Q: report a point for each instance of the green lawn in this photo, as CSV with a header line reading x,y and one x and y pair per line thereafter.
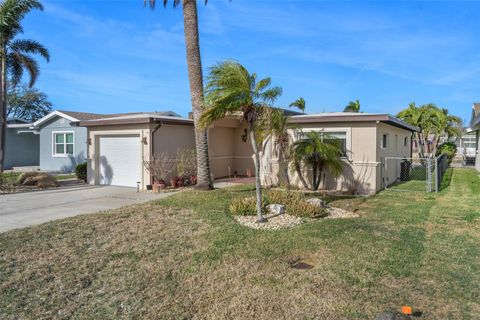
x,y
185,257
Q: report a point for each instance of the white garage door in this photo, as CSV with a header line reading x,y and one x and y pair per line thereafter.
x,y
120,160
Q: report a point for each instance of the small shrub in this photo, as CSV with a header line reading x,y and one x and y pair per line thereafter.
x,y
296,203
448,148
38,179
81,171
246,206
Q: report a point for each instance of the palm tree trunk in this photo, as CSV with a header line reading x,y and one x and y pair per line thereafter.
x,y
298,169
284,166
314,177
3,108
258,186
190,20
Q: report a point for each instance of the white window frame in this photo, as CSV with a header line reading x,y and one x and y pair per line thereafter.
x,y
382,146
62,155
348,135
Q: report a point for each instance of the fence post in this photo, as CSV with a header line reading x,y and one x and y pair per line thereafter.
x,y
436,174
429,175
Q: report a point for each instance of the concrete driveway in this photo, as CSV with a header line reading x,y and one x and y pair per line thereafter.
x,y
25,209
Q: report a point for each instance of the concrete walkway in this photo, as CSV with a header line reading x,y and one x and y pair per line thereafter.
x,y
30,208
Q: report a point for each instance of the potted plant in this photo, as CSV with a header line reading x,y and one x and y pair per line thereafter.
x,y
174,182
159,166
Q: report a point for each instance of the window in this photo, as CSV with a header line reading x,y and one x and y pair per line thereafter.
x,y
384,142
63,143
339,138
405,142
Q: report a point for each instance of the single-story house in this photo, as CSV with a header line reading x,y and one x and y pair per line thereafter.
x,y
475,127
54,143
118,146
366,140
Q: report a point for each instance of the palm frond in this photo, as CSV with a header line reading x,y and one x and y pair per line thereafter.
x,y
26,62
30,47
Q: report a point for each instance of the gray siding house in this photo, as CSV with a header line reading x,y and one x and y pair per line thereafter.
x,y
22,145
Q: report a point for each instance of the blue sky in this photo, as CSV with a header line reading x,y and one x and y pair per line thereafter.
x,y
117,56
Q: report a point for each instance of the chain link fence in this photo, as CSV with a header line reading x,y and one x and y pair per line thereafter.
x,y
414,174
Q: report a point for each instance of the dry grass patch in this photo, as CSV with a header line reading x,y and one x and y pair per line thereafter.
x,y
185,257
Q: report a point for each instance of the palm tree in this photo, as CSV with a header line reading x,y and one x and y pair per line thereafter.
x,y
192,42
278,131
414,116
319,154
15,55
299,104
446,125
231,90
352,106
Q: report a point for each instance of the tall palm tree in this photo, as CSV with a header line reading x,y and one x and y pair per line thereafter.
x,y
15,55
318,154
352,106
231,90
194,62
299,104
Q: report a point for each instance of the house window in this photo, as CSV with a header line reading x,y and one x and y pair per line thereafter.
x,y
63,143
405,142
339,138
384,142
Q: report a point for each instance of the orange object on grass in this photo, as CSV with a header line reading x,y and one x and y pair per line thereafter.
x,y
407,310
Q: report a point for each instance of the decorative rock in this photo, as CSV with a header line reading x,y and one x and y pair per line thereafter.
x,y
317,202
276,208
274,222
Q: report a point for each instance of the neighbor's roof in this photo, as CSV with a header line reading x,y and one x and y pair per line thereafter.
x,y
352,117
75,116
138,118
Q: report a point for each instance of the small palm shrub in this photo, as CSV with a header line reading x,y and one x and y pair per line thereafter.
x,y
246,206
81,171
296,204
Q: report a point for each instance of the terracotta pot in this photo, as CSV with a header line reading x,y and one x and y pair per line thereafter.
x,y
158,185
181,182
193,179
174,182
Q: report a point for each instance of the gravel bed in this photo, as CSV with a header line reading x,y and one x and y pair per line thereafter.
x,y
274,222
337,213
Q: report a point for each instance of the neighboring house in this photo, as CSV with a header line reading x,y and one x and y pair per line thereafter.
x,y
366,140
118,146
22,145
475,127
62,143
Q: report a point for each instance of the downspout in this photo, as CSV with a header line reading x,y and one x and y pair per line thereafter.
x,y
152,144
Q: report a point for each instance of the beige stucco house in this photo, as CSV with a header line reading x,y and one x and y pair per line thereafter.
x,y
366,140
118,146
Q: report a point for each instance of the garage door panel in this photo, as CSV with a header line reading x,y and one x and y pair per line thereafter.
x,y
120,160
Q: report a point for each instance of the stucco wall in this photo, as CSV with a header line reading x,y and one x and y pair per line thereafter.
x,y
21,149
48,161
390,169
228,153
360,164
